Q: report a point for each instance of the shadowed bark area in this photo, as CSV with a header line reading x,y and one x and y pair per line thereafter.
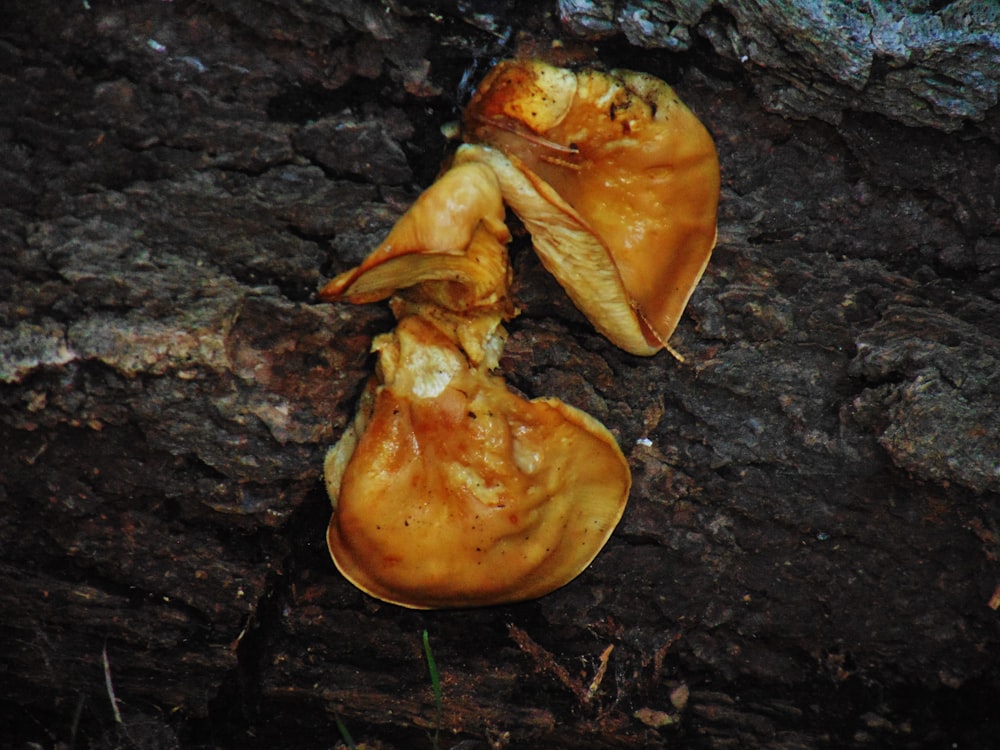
x,y
810,554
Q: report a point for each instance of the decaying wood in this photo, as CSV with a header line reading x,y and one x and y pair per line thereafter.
x,y
810,554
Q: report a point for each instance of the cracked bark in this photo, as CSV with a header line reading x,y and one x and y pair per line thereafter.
x,y
810,552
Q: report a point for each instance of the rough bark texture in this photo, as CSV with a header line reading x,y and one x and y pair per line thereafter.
x,y
810,555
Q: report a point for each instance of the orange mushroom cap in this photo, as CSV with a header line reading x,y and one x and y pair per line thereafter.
x,y
451,491
637,168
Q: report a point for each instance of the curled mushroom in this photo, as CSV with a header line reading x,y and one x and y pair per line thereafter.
x,y
448,489
450,246
604,161
446,258
451,491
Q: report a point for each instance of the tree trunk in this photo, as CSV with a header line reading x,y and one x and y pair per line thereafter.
x,y
810,554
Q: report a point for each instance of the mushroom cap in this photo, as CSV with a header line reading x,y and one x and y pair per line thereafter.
x,y
636,166
449,245
450,491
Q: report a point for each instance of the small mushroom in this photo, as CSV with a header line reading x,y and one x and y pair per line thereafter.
x,y
451,491
604,161
446,258
449,246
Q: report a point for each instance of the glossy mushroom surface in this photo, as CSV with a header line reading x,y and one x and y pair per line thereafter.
x,y
448,489
637,168
451,491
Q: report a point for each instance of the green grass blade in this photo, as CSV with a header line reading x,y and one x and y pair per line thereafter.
x,y
344,734
436,687
432,668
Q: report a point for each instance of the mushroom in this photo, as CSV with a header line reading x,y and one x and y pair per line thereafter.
x,y
616,180
451,491
448,489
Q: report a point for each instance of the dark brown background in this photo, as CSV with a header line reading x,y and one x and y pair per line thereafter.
x,y
811,547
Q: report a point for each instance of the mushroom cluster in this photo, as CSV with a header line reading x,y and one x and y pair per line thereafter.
x,y
448,489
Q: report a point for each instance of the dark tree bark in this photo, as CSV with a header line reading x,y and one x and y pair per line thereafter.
x,y
810,554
